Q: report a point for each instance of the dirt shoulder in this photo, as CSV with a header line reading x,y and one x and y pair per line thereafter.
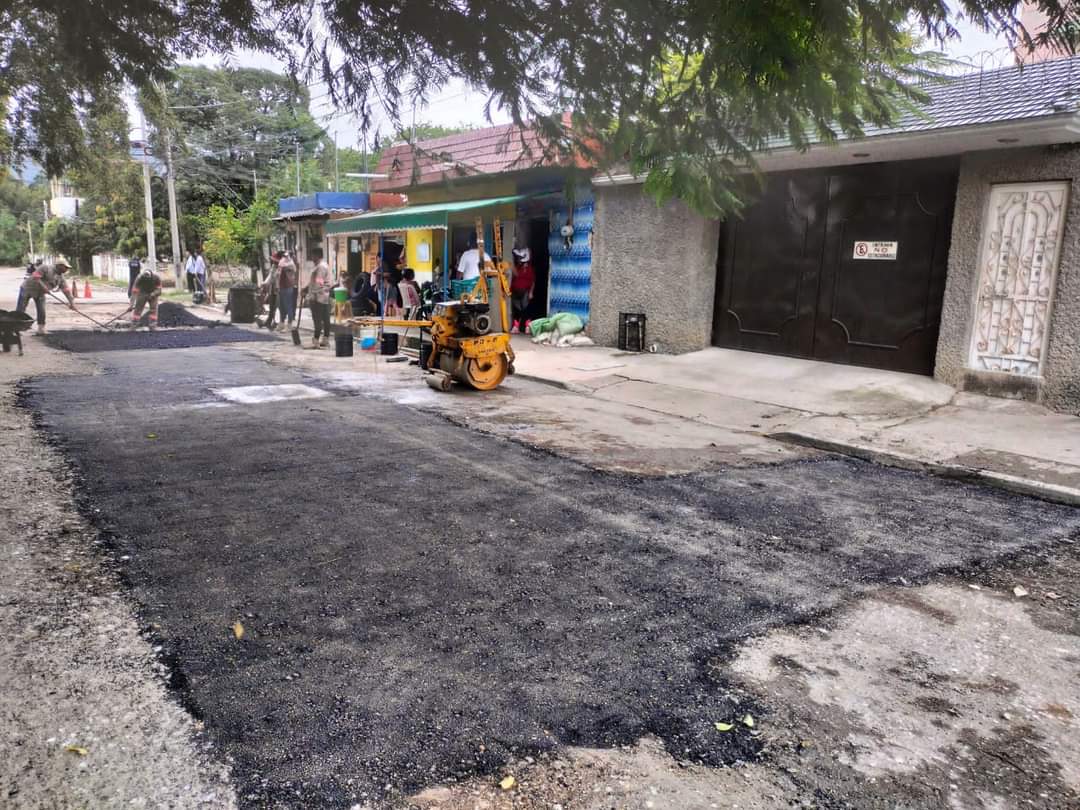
x,y
85,717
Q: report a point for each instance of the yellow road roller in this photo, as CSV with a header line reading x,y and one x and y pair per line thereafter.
x,y
470,336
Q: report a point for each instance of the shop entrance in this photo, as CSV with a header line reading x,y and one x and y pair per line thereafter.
x,y
537,240
844,265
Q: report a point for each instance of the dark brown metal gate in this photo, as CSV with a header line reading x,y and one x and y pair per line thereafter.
x,y
791,282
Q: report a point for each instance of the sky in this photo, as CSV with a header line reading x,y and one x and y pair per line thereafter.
x,y
456,103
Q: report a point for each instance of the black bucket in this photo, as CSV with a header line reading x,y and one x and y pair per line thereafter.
x,y
389,343
343,345
243,304
425,353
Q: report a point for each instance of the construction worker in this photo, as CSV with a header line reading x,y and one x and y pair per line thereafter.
x,y
30,268
39,283
145,291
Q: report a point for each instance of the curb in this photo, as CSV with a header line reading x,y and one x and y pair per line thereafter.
x,y
562,386
1010,483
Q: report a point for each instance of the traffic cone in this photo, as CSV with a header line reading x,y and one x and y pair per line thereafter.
x,y
86,290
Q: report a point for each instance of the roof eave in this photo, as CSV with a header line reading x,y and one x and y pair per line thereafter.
x,y
910,145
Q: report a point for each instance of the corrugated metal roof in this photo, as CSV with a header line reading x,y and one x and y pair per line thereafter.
x,y
322,203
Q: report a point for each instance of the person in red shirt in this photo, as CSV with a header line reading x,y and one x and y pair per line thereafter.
x,y
521,287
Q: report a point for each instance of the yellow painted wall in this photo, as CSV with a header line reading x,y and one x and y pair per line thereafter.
x,y
413,241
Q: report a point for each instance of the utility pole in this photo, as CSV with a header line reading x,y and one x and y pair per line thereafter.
x,y
30,233
335,164
151,248
364,158
255,183
174,212
298,168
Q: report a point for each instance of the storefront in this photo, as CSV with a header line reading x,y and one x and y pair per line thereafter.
x,y
304,219
430,236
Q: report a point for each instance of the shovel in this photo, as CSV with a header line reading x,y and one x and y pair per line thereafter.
x,y
76,310
296,327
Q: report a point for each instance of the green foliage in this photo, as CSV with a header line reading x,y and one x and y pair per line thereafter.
x,y
232,237
14,244
230,126
19,204
761,70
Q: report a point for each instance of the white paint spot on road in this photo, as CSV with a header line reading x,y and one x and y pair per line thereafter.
x,y
256,394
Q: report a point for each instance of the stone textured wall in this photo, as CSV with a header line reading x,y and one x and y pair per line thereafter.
x,y
1060,388
660,260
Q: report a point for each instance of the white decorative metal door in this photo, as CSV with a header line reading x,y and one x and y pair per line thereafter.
x,y
1017,274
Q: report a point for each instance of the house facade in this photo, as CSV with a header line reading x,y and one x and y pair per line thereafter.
x,y
499,172
946,245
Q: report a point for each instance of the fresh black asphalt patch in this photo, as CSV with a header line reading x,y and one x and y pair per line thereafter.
x,y
420,602
84,342
171,315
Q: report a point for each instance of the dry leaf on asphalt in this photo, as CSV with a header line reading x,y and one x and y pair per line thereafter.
x,y
151,435
724,726
1020,590
238,630
76,749
748,720
507,783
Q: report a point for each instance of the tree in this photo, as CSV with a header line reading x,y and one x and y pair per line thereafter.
x,y
19,204
109,180
232,237
229,126
765,69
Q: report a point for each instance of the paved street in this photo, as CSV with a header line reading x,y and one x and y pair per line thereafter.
x,y
422,604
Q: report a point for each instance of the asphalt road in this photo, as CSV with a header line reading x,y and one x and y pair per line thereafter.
x,y
420,602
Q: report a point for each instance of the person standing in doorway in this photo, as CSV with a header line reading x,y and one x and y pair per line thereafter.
x,y
318,296
41,282
521,288
469,265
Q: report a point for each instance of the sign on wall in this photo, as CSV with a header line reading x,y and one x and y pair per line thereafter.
x,y
876,250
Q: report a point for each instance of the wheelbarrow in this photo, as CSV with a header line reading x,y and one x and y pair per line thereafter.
x,y
11,324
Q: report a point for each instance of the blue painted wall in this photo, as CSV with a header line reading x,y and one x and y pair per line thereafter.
x,y
571,268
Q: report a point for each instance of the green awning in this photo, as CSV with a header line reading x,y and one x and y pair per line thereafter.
x,y
411,217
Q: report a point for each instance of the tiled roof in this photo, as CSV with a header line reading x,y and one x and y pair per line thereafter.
x,y
505,148
990,97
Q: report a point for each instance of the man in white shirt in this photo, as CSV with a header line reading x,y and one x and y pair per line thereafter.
x,y
469,264
200,269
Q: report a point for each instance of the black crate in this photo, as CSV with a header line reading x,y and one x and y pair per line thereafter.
x,y
632,331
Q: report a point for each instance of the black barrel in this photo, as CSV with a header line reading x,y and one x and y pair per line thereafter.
x,y
242,303
389,343
343,345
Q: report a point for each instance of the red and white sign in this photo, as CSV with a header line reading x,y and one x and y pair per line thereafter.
x,y
876,250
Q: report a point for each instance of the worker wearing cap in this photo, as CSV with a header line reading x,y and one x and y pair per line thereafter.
x,y
39,283
145,292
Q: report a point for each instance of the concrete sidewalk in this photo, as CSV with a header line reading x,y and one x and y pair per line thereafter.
x,y
901,420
